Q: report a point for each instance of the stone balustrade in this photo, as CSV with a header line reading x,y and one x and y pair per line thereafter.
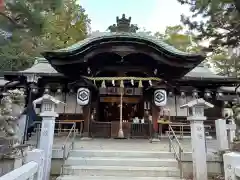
x,y
31,170
25,172
225,134
232,165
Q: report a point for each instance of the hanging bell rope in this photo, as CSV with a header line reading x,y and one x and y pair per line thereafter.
x,y
123,78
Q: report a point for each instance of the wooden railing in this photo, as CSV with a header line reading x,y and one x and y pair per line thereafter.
x,y
140,130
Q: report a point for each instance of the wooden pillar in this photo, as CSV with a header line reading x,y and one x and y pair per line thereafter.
x,y
86,117
155,116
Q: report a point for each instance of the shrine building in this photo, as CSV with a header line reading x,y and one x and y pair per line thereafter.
x,y
123,79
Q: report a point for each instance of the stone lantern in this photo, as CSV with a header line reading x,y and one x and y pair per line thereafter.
x,y
196,118
48,114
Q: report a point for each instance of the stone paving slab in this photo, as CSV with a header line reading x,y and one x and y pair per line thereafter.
x,y
69,177
129,144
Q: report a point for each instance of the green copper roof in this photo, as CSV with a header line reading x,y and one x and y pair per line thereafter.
x,y
203,72
42,66
123,35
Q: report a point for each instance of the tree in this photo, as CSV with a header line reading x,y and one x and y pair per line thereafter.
x,y
220,22
36,26
23,22
27,15
67,26
226,62
176,37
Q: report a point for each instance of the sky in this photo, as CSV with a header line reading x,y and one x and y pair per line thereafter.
x,y
153,15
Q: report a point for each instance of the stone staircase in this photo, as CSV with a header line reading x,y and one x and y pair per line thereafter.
x,y
120,165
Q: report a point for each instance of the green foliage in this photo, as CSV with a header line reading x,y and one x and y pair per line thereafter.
x,y
176,37
29,14
226,63
67,26
219,24
38,25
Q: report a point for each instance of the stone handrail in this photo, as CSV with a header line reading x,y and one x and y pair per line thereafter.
x,y
237,171
26,172
31,170
231,165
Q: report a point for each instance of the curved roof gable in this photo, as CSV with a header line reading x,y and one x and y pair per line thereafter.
x,y
123,40
98,38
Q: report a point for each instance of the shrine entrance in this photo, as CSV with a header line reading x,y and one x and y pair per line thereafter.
x,y
110,109
114,109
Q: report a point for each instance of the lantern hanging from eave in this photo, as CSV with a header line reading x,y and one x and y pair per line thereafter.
x,y
208,94
195,93
182,94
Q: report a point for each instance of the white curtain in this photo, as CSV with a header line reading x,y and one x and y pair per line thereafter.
x,y
71,102
60,97
171,106
189,98
181,101
78,108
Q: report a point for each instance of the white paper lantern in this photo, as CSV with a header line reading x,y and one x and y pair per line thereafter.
x,y
160,97
83,96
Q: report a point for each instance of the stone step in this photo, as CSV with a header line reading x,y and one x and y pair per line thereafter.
x,y
121,161
69,177
119,171
126,154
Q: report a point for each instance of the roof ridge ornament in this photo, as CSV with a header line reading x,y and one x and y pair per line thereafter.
x,y
123,25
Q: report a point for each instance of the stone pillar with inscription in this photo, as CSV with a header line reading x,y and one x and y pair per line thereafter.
x,y
196,118
48,114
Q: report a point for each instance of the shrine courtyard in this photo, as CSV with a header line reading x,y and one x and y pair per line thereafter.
x,y
128,144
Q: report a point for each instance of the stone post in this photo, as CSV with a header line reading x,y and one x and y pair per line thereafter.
x,y
196,118
231,161
22,123
221,133
231,131
48,115
225,134
37,156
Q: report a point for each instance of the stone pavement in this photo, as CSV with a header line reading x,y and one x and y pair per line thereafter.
x,y
129,144
125,144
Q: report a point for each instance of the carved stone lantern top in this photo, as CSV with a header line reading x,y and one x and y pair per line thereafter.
x,y
49,104
196,108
